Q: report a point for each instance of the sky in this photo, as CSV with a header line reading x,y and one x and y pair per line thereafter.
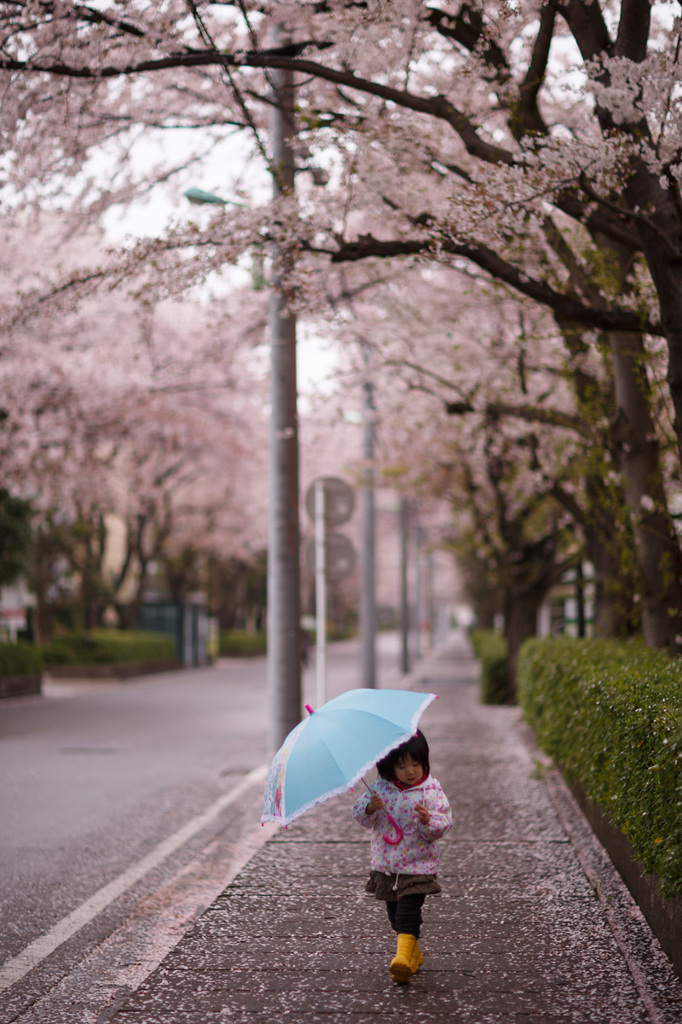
x,y
149,217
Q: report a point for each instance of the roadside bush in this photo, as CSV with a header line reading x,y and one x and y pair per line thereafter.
x,y
108,647
491,650
238,643
610,714
19,660
59,652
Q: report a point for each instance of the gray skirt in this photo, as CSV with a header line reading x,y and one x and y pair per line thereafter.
x,y
383,887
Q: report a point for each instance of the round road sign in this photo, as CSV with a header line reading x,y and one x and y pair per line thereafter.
x,y
339,556
339,500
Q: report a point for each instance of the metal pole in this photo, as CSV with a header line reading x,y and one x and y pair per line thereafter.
x,y
284,671
320,594
404,601
430,610
368,609
419,597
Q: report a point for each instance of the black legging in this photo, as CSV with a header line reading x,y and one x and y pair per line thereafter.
x,y
405,914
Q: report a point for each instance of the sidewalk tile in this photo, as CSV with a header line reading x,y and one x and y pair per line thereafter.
x,y
518,937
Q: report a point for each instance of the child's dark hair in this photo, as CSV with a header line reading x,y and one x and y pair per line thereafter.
x,y
416,747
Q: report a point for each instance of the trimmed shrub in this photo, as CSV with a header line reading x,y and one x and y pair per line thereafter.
x,y
491,650
108,647
610,714
19,660
238,643
59,652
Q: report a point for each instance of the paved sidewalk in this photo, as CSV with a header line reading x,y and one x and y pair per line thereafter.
x,y
534,926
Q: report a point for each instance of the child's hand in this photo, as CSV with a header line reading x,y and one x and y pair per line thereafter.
x,y
375,804
423,814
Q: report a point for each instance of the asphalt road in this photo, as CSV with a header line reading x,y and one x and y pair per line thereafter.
x,y
128,806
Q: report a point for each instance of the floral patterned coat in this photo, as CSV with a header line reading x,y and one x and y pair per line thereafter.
x,y
417,852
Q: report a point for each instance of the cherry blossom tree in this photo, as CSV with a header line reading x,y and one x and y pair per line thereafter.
x,y
450,126
134,409
503,512
474,352
534,142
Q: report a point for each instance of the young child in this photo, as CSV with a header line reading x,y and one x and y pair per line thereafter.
x,y
405,859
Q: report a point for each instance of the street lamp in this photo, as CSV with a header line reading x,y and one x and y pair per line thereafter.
x,y
284,612
198,197
284,647
404,593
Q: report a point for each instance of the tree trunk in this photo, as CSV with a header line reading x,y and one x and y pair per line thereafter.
x,y
635,449
613,612
637,453
520,623
660,235
637,456
606,545
658,221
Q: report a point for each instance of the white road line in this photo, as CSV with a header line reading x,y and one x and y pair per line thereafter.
x,y
156,924
15,969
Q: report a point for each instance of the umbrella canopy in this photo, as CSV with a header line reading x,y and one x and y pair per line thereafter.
x,y
330,751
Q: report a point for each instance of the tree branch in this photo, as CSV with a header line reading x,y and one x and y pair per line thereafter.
x,y
587,25
628,214
82,12
579,277
434,106
467,28
568,308
528,413
633,29
529,117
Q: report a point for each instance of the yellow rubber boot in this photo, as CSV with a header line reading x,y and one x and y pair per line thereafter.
x,y
417,959
401,964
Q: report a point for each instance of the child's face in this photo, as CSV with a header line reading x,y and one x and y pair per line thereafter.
x,y
408,771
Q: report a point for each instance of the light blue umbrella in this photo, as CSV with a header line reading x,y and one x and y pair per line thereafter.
x,y
327,753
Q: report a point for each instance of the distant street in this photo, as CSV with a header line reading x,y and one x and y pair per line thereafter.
x,y
114,790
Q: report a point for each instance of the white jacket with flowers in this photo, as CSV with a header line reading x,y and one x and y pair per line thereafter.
x,y
417,852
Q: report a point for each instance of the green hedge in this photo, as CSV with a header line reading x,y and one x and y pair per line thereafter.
x,y
610,714
491,650
238,643
19,660
108,647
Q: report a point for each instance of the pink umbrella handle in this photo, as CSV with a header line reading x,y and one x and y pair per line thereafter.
x,y
396,826
398,831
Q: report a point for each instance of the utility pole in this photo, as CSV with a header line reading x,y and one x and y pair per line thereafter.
x,y
284,666
368,608
321,592
404,595
419,594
